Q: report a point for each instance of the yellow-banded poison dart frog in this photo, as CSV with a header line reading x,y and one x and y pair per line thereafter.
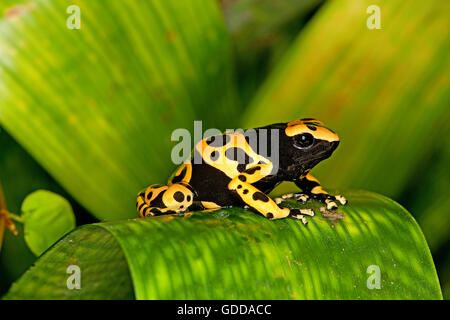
x,y
239,169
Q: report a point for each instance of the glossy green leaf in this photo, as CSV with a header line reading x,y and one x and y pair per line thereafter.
x,y
385,92
96,106
236,254
103,269
46,217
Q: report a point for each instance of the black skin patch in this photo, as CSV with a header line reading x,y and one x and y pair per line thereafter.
x,y
253,170
311,127
140,207
242,178
239,186
260,196
149,195
214,155
239,155
218,141
158,202
188,198
179,177
147,211
241,167
178,196
270,215
155,211
306,185
245,191
189,187
207,180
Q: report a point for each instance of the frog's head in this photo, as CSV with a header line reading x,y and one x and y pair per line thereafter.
x,y
310,142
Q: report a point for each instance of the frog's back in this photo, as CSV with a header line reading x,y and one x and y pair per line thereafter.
x,y
216,160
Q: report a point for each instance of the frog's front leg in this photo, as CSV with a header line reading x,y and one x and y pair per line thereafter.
x,y
313,190
259,201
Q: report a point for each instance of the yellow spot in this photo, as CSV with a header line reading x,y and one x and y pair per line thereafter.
x,y
298,126
210,205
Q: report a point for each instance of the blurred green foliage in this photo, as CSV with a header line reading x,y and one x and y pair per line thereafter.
x,y
261,32
94,108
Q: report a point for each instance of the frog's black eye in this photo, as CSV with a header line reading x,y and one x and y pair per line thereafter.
x,y
303,141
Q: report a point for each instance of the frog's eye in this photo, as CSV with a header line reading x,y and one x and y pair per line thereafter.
x,y
303,141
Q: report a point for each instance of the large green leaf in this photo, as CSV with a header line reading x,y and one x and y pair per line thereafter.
x,y
384,91
235,254
96,107
104,271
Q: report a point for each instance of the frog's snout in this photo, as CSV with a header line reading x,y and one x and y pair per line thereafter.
x,y
334,145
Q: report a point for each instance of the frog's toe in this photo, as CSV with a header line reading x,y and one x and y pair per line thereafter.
x,y
331,205
341,199
299,217
305,211
300,214
302,198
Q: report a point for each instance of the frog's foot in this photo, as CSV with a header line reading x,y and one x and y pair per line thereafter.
x,y
329,200
300,214
300,197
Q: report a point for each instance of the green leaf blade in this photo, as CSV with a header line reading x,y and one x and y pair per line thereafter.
x,y
236,254
104,271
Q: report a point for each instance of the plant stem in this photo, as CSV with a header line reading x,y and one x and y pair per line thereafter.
x,y
15,217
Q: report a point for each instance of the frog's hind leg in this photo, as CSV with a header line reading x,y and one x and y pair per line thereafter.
x,y
158,200
143,201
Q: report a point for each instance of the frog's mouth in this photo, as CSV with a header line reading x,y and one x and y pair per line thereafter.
x,y
321,151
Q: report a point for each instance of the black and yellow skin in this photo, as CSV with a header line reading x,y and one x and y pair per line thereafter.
x,y
233,173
